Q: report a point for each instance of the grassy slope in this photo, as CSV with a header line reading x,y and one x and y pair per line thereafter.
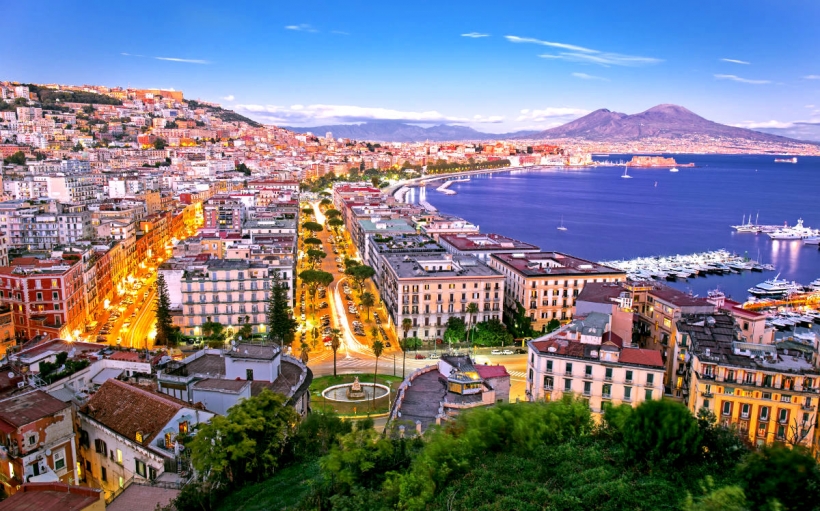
x,y
282,492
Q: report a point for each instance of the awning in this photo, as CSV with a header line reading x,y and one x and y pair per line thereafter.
x,y
46,477
106,374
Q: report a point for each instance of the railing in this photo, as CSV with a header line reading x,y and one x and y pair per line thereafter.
x,y
116,493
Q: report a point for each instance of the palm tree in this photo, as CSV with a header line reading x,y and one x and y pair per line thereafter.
x,y
377,348
334,345
304,355
472,309
367,300
406,325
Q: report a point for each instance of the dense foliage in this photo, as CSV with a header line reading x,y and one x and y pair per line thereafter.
x,y
537,456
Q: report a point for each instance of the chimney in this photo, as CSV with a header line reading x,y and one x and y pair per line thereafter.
x,y
418,427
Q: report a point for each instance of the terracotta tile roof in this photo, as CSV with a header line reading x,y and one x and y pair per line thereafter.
x,y
26,408
488,371
127,409
129,356
51,496
641,357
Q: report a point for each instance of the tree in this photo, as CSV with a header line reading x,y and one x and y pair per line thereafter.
x,y
367,300
162,309
160,144
315,256
307,211
245,445
777,477
374,332
325,202
243,169
406,325
727,498
333,213
335,223
520,324
472,310
359,273
245,329
313,279
214,334
456,330
18,158
334,345
304,354
280,323
662,432
378,348
312,241
313,227
491,333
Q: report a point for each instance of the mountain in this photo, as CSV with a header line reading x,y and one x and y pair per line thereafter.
x,y
397,131
662,121
808,131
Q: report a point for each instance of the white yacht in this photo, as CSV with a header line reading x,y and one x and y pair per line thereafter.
x,y
626,176
775,287
673,169
812,240
814,285
797,232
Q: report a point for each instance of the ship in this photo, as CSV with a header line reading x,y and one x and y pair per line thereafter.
x,y
786,160
798,232
775,287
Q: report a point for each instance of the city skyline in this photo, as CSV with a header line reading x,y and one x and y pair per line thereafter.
x,y
496,70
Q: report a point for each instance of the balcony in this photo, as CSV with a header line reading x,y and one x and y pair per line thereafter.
x,y
547,387
763,419
548,370
628,381
607,395
808,408
707,393
608,378
568,373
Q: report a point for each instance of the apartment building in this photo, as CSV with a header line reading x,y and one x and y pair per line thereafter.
x,y
224,214
547,284
429,289
46,296
437,224
366,230
37,441
584,358
400,244
139,441
768,392
228,291
482,246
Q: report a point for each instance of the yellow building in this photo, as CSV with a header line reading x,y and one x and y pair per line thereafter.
x,y
768,392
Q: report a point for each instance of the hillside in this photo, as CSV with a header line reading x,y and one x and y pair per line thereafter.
x,y
396,131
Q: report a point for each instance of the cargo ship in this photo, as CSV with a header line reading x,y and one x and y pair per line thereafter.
x,y
786,160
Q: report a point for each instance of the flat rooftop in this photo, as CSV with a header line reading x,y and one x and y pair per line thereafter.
x,y
486,242
540,264
438,266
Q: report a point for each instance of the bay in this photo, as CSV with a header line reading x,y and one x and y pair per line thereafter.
x,y
656,213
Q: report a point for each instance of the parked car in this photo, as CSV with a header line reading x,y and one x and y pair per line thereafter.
x,y
507,352
419,356
520,351
495,352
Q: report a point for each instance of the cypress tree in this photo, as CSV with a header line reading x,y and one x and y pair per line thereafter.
x,y
280,324
165,326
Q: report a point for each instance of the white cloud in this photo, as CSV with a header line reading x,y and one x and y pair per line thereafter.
x,y
475,35
735,78
584,76
328,114
809,106
229,97
564,46
550,113
812,77
302,27
585,55
735,61
187,61
764,124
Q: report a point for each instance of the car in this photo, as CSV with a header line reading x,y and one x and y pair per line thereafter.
x,y
376,316
507,352
323,305
520,351
303,316
419,356
495,352
388,344
432,356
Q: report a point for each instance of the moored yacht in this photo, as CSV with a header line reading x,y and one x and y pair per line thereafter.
x,y
797,232
775,287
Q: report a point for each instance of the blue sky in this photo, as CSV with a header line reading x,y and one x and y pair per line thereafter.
x,y
497,66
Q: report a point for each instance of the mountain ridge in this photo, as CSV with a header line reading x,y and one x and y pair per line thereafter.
x,y
398,131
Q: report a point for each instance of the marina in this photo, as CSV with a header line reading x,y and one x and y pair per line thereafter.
x,y
682,267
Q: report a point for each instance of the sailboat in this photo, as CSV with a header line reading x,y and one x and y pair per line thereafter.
x,y
561,227
626,176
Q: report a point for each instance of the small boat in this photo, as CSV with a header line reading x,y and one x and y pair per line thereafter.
x,y
626,176
673,169
812,240
786,160
561,227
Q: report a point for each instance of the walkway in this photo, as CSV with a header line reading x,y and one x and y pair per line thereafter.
x,y
422,399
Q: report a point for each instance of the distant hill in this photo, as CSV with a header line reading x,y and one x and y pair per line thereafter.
x,y
808,131
396,131
662,121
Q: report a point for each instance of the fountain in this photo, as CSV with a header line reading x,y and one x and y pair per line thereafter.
x,y
356,391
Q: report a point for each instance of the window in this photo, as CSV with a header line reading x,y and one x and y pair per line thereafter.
x,y
549,366
567,385
648,396
152,473
249,374
588,371
627,393
103,474
100,447
629,376
138,437
587,388
569,369
650,379
119,456
608,373
727,408
59,460
706,403
140,468
745,409
183,428
548,382
607,391
764,413
782,415
32,440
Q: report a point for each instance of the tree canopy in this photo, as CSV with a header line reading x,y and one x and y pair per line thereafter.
x,y
281,325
